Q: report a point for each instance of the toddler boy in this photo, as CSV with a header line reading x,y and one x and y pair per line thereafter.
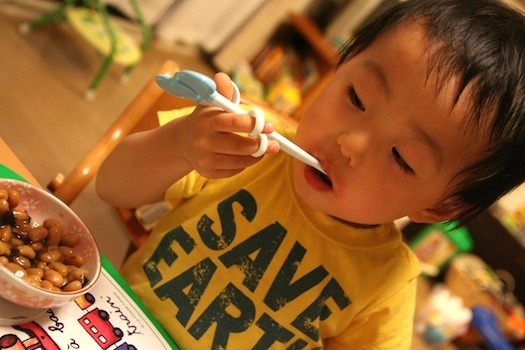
x,y
424,117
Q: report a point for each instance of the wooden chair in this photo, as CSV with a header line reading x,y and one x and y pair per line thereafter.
x,y
140,114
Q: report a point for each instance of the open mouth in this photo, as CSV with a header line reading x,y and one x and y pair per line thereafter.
x,y
323,177
317,180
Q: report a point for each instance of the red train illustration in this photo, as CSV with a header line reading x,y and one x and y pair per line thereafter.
x,y
95,322
97,325
38,339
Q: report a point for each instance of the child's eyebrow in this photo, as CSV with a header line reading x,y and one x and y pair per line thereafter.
x,y
379,74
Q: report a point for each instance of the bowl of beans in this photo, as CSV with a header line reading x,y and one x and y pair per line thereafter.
x,y
48,257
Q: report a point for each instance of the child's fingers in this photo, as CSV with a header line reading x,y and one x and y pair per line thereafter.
x,y
230,144
230,122
221,165
224,85
273,147
233,144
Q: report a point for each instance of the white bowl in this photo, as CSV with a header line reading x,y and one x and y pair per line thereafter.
x,y
21,301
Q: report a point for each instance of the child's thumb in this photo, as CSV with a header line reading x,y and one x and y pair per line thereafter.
x,y
224,85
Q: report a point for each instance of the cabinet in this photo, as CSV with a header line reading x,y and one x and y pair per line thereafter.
x,y
257,29
324,53
297,56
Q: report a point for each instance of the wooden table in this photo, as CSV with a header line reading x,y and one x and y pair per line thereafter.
x,y
9,159
130,322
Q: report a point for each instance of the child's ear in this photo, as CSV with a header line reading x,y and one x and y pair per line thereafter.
x,y
434,214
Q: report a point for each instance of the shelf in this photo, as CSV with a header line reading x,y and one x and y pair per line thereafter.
x,y
326,56
309,30
299,50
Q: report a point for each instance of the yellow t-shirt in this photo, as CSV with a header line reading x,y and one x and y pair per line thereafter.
x,y
243,263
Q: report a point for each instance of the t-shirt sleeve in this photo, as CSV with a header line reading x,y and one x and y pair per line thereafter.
x,y
386,325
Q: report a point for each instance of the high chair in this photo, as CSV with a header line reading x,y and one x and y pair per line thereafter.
x,y
92,22
140,114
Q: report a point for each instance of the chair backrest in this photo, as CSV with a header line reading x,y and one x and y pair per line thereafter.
x,y
140,114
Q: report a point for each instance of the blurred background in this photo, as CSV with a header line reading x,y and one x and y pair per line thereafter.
x,y
53,109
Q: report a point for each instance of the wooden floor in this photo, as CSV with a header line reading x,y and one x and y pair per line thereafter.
x,y
45,118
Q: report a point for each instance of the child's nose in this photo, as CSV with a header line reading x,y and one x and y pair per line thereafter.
x,y
354,146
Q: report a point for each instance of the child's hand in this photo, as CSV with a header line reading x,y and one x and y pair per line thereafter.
x,y
211,143
144,164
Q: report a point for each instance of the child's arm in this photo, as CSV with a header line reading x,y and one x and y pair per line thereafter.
x,y
144,165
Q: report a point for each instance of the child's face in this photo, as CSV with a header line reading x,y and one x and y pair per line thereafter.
x,y
390,141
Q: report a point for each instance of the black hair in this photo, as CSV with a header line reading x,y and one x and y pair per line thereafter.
x,y
483,43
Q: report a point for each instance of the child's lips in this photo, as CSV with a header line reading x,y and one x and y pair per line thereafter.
x,y
317,179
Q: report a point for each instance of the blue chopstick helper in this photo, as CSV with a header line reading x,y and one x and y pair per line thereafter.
x,y
203,90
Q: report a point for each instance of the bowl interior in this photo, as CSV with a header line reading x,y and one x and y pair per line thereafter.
x,y
41,205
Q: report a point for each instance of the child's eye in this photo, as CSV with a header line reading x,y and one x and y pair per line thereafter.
x,y
402,163
355,99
